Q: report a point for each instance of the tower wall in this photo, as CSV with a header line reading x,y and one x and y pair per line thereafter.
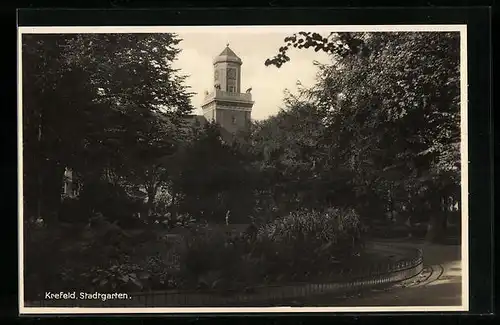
x,y
228,74
226,104
209,112
233,120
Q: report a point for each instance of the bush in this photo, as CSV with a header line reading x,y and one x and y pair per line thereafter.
x,y
313,227
104,257
112,201
304,238
203,253
215,260
281,250
160,212
72,210
98,256
184,220
162,273
41,259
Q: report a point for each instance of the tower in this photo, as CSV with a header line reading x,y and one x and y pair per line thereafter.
x,y
226,104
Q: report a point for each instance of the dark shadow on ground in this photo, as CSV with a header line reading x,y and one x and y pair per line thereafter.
x,y
441,254
433,253
416,296
442,289
443,294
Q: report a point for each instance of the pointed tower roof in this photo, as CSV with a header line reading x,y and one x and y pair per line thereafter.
x,y
227,51
227,55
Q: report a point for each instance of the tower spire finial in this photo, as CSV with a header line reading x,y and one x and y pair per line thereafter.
x,y
227,44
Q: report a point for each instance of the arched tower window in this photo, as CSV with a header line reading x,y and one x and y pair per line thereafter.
x,y
231,80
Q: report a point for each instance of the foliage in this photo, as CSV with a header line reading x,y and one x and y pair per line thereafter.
x,y
282,250
308,226
114,277
209,258
41,258
392,118
185,221
100,104
304,238
377,134
101,257
162,204
73,210
222,181
64,256
109,199
161,274
295,161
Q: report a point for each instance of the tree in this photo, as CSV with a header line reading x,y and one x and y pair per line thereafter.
x,y
392,103
97,103
212,178
301,168
50,134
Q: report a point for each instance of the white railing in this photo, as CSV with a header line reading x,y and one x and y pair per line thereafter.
x,y
220,94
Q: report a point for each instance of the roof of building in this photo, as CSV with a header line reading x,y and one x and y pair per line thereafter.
x,y
227,55
228,52
200,119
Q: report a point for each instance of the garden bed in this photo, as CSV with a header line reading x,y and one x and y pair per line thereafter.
x,y
303,246
265,295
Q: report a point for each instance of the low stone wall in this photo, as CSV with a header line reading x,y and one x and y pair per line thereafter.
x,y
353,280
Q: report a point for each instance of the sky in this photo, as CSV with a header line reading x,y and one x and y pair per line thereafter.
x,y
253,46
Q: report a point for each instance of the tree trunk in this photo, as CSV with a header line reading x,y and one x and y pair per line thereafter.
x,y
151,191
390,205
444,221
38,171
174,206
436,229
49,198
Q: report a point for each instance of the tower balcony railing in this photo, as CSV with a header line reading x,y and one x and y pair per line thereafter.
x,y
221,94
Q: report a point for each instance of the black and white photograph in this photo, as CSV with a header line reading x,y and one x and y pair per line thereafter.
x,y
243,168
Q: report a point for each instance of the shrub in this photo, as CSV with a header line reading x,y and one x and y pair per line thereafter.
x,y
281,250
72,210
201,250
213,259
104,257
112,201
185,220
76,257
41,259
99,258
143,261
116,276
155,272
332,225
304,238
